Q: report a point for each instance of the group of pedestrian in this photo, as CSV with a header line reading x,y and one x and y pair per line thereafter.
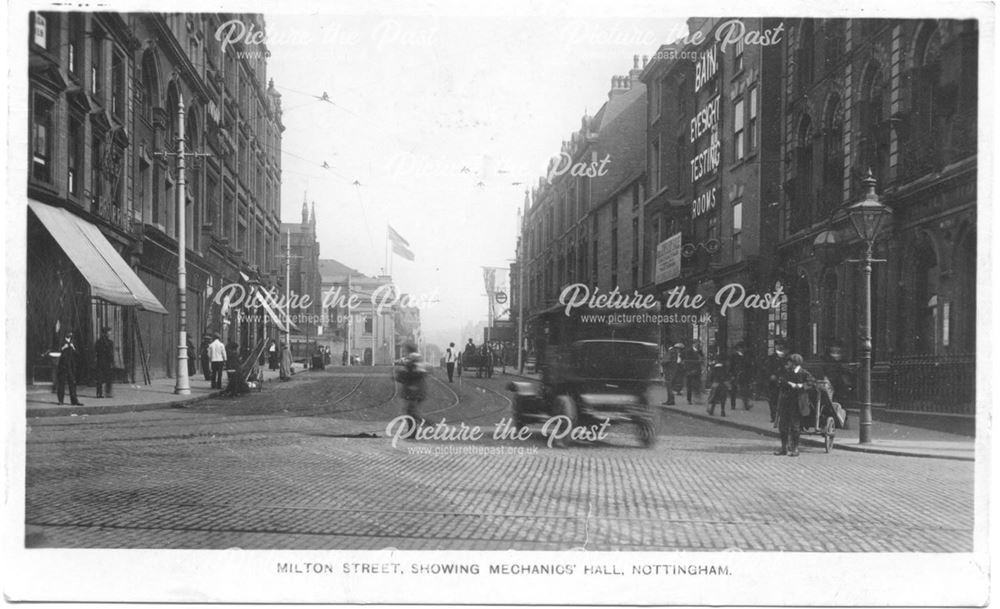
x,y
788,383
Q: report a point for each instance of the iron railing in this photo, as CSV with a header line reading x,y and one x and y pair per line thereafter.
x,y
944,384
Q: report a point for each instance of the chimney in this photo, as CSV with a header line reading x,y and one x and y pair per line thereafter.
x,y
636,70
619,85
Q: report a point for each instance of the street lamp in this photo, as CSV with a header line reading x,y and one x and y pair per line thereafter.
x,y
867,216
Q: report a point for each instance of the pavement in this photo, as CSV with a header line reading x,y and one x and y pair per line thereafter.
x,y
41,399
887,438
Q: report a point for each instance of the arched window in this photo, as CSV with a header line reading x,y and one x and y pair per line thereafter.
x,y
833,155
927,94
874,145
802,204
171,133
150,89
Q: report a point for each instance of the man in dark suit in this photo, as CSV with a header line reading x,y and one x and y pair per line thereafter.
x,y
775,367
67,369
104,362
795,382
739,370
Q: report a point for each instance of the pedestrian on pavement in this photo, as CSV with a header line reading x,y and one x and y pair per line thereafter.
x,y
104,362
775,368
285,370
672,371
450,357
206,360
740,375
192,358
793,404
67,370
218,357
343,358
272,355
719,383
411,374
693,360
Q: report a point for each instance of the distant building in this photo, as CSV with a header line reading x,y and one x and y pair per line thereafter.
x,y
352,319
299,244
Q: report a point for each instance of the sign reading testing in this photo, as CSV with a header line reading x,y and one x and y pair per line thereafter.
x,y
668,259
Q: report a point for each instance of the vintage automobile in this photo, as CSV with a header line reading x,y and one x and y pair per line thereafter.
x,y
594,378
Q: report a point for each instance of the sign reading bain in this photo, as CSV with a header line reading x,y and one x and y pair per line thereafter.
x,y
708,157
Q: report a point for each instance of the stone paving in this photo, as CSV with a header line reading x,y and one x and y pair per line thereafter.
x,y
297,467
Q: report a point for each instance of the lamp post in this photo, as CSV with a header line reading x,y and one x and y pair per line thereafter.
x,y
182,385
867,217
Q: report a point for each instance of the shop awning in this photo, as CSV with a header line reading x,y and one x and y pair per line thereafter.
x,y
109,276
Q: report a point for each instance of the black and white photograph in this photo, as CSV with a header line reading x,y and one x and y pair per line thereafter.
x,y
505,302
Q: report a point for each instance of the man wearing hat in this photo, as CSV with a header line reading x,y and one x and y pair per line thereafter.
x,y
794,384
104,362
775,368
672,371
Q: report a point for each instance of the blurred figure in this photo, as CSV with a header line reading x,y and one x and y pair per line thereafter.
x,y
285,369
450,358
412,375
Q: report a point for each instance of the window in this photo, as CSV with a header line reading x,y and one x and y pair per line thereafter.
x,y
654,165
368,326
752,124
833,156
737,231
96,179
806,57
118,85
656,93
75,46
738,57
738,132
713,227
74,144
41,138
802,204
680,152
96,52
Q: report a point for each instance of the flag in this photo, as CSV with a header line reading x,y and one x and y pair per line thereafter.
x,y
401,250
395,237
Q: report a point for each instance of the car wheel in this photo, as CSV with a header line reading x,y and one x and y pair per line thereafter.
x,y
647,432
565,406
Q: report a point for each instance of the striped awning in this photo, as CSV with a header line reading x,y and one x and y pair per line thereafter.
x,y
109,276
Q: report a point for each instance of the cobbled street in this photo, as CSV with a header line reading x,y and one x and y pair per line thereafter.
x,y
307,465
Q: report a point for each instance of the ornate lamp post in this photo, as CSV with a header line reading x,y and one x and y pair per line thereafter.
x,y
867,216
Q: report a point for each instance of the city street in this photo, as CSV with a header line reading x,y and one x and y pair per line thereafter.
x,y
307,465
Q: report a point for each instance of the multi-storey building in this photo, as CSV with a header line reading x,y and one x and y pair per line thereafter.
x,y
713,174
105,94
584,224
300,256
354,323
898,98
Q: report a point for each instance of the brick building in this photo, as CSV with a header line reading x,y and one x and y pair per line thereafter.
x,y
587,228
104,92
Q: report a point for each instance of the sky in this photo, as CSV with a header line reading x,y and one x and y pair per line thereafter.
x,y
443,122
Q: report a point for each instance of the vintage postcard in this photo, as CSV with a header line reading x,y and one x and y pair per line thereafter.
x,y
632,303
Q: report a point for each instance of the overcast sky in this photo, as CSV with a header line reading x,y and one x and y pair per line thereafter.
x,y
444,121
